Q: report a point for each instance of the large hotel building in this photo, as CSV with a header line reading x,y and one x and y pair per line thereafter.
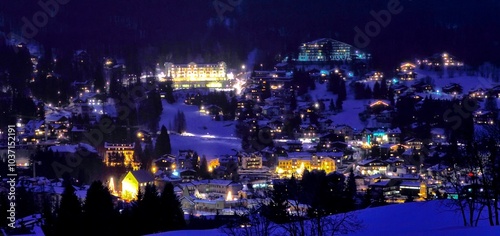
x,y
194,75
325,49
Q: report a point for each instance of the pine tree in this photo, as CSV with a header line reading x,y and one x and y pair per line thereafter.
x,y
172,217
342,90
48,215
276,209
70,212
331,107
204,173
162,145
383,88
148,211
376,91
338,104
98,210
293,102
350,191
368,92
169,94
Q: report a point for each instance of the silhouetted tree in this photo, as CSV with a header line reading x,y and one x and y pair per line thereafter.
x,y
98,210
172,215
69,214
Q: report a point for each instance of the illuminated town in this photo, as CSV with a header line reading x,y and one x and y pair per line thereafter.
x,y
249,118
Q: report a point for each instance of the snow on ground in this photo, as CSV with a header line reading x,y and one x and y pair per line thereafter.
x,y
351,107
203,135
410,219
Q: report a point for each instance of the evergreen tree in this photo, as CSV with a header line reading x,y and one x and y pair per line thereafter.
x,y
331,107
204,173
383,88
48,215
98,210
293,102
99,81
276,209
169,93
376,91
172,217
25,202
368,92
350,191
148,211
338,104
162,145
195,161
180,122
69,214
342,90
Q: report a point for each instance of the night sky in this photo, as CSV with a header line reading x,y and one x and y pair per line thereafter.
x,y
189,30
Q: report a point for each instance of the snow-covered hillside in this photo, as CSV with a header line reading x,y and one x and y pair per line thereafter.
x,y
410,219
203,135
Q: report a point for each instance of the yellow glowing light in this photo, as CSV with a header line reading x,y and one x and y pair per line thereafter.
x,y
139,135
229,196
153,170
111,185
129,190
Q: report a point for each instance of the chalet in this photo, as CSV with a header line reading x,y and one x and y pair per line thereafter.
x,y
294,146
325,123
326,141
271,111
453,88
188,175
438,135
384,189
414,143
422,87
483,117
345,130
164,163
479,93
308,131
394,135
400,89
378,106
371,167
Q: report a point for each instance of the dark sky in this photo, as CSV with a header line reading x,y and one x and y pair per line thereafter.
x,y
187,29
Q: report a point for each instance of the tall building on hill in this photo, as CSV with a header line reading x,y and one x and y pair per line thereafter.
x,y
194,75
326,50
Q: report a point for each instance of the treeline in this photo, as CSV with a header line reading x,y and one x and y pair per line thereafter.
x,y
100,213
319,204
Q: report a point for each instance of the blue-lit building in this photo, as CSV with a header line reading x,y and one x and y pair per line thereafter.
x,y
326,49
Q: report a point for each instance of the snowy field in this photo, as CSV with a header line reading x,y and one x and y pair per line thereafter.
x,y
410,219
203,135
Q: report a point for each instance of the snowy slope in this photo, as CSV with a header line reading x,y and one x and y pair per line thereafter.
x,y
410,219
205,136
